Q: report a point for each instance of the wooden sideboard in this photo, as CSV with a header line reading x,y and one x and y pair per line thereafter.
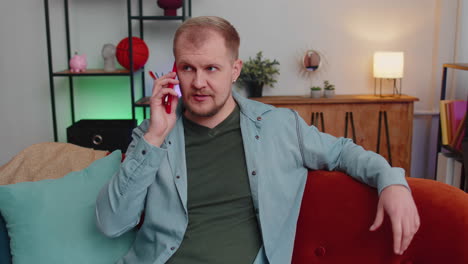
x,y
380,124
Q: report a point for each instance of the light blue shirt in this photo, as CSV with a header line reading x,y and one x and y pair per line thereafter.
x,y
279,147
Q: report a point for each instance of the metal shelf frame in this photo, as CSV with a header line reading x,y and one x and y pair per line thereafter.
x,y
458,155
97,73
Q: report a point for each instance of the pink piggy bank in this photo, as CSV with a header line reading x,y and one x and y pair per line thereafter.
x,y
78,63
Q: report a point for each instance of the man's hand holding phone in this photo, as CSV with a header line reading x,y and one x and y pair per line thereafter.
x,y
161,122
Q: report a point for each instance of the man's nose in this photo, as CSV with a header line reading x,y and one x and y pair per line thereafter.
x,y
199,80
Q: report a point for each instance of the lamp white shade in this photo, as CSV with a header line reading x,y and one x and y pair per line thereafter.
x,y
388,65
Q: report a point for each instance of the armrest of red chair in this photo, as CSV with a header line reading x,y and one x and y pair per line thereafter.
x,y
337,211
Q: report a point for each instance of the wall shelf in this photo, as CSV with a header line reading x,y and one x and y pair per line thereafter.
x,y
93,72
143,102
157,17
458,66
458,155
130,74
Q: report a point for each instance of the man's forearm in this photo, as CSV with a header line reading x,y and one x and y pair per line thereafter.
x,y
121,201
370,167
324,151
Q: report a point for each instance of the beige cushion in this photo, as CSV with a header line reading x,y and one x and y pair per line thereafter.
x,y
48,160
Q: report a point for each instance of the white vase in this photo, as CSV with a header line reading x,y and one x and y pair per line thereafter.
x,y
329,93
315,93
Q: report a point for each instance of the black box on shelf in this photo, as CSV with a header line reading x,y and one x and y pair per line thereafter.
x,y
102,134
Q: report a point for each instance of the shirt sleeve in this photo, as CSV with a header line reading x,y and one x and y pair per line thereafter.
x,y
122,200
321,151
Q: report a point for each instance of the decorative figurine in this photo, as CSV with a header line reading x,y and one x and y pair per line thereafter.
x,y
108,54
140,53
170,6
78,63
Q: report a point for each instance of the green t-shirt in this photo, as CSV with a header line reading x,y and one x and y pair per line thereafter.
x,y
222,224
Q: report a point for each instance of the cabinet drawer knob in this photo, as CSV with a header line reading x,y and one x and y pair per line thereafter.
x,y
97,140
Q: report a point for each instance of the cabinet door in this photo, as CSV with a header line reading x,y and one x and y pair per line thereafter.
x,y
354,121
365,122
328,118
334,118
400,130
340,120
385,128
361,121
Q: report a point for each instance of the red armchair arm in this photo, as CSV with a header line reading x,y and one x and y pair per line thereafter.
x,y
337,211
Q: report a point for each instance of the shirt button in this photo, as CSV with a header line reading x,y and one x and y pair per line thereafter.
x,y
257,137
178,177
254,173
259,118
172,248
170,142
143,152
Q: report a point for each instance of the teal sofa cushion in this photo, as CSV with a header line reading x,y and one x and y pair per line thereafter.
x,y
53,221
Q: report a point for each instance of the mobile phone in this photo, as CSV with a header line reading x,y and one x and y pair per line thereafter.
x,y
167,100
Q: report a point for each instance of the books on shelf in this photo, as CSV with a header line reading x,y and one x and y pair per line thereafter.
x,y
459,134
449,170
443,122
452,120
457,173
444,168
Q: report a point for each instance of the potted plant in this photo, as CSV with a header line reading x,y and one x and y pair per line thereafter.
x,y
315,92
256,73
329,89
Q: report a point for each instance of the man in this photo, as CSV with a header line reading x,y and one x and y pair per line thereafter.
x,y
221,177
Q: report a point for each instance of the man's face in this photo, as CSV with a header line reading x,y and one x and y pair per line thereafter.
x,y
206,73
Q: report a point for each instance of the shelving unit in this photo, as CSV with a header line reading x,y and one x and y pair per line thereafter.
x,y
92,72
458,155
186,13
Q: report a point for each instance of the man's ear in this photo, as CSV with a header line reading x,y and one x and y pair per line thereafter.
x,y
236,69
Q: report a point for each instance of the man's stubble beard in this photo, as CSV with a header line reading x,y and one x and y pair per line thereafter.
x,y
210,113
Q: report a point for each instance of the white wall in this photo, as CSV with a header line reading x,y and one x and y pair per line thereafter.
x,y
426,120
25,116
460,90
345,32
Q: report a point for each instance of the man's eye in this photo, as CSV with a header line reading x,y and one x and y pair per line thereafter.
x,y
187,68
211,68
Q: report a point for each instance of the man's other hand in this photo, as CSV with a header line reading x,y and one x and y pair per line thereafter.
x,y
398,203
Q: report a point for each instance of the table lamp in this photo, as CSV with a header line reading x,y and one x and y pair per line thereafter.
x,y
388,65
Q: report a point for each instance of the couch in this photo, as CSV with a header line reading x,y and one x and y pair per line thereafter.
x,y
335,217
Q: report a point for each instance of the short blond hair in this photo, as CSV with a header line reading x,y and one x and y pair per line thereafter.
x,y
198,29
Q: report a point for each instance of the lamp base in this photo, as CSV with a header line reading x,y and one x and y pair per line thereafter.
x,y
396,89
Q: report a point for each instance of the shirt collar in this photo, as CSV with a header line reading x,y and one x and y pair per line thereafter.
x,y
252,109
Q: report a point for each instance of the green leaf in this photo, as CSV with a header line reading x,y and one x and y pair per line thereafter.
x,y
259,70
